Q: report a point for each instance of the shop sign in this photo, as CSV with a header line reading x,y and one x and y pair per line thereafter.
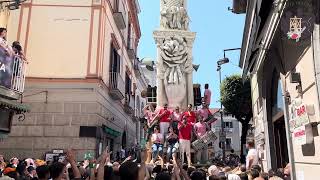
x,y
57,151
300,124
301,116
299,135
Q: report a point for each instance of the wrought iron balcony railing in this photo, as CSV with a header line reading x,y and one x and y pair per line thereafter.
x,y
12,71
116,85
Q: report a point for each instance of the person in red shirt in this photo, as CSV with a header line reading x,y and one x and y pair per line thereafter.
x,y
190,115
164,116
185,129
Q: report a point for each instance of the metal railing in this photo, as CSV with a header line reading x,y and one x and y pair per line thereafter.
x,y
116,82
18,74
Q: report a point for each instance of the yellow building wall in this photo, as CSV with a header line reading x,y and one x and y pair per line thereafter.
x,y
306,157
60,38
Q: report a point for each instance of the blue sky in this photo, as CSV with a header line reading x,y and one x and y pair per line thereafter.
x,y
216,28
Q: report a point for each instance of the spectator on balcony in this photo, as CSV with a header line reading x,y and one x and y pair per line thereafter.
x,y
207,94
175,118
157,144
17,49
3,42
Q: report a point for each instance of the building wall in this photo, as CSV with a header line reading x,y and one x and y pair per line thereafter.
x,y
234,133
305,156
67,44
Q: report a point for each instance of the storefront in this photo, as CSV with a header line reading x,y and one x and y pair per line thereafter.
x,y
282,64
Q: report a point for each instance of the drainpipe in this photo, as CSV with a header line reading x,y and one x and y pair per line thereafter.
x,y
316,56
286,100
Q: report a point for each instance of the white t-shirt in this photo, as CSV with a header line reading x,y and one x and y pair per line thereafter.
x,y
254,154
157,137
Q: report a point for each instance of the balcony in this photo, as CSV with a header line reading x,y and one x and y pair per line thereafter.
x,y
239,6
218,129
116,85
19,74
131,50
228,130
119,20
12,75
136,68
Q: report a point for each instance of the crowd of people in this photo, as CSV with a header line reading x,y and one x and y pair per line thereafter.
x,y
168,131
173,130
132,169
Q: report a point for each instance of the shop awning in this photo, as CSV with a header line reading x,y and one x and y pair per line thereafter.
x,y
18,107
111,131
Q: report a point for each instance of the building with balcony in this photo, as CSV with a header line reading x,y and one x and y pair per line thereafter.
x,y
82,86
280,55
232,128
12,78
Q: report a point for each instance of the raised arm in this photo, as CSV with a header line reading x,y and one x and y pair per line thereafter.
x,y
72,161
105,158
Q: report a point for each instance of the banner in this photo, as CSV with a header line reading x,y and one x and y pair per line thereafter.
x,y
6,67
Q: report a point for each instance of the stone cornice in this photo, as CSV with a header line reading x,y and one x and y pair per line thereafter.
x,y
160,35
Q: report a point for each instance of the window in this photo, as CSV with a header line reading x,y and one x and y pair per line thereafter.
x,y
228,125
115,60
152,94
5,120
228,143
115,5
129,41
128,88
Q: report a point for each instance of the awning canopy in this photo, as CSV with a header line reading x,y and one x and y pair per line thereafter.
x,y
111,131
11,104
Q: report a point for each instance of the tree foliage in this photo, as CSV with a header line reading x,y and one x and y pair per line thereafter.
x,y
236,99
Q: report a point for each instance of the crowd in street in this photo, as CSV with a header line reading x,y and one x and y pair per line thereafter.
x,y
169,131
133,169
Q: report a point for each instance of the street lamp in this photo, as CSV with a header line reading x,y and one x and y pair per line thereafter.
x,y
12,4
222,136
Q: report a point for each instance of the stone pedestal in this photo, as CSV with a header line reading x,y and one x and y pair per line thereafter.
x,y
174,67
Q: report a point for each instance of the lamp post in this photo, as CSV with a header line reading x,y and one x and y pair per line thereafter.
x,y
222,136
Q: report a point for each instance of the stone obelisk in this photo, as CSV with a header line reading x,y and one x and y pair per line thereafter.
x,y
174,55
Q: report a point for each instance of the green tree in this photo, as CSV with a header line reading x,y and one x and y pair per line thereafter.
x,y
236,99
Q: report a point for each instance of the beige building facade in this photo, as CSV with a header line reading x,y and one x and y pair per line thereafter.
x,y
280,54
84,82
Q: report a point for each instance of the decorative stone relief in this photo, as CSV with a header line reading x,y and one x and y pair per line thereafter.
x,y
174,15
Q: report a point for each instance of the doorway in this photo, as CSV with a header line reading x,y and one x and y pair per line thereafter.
x,y
280,140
